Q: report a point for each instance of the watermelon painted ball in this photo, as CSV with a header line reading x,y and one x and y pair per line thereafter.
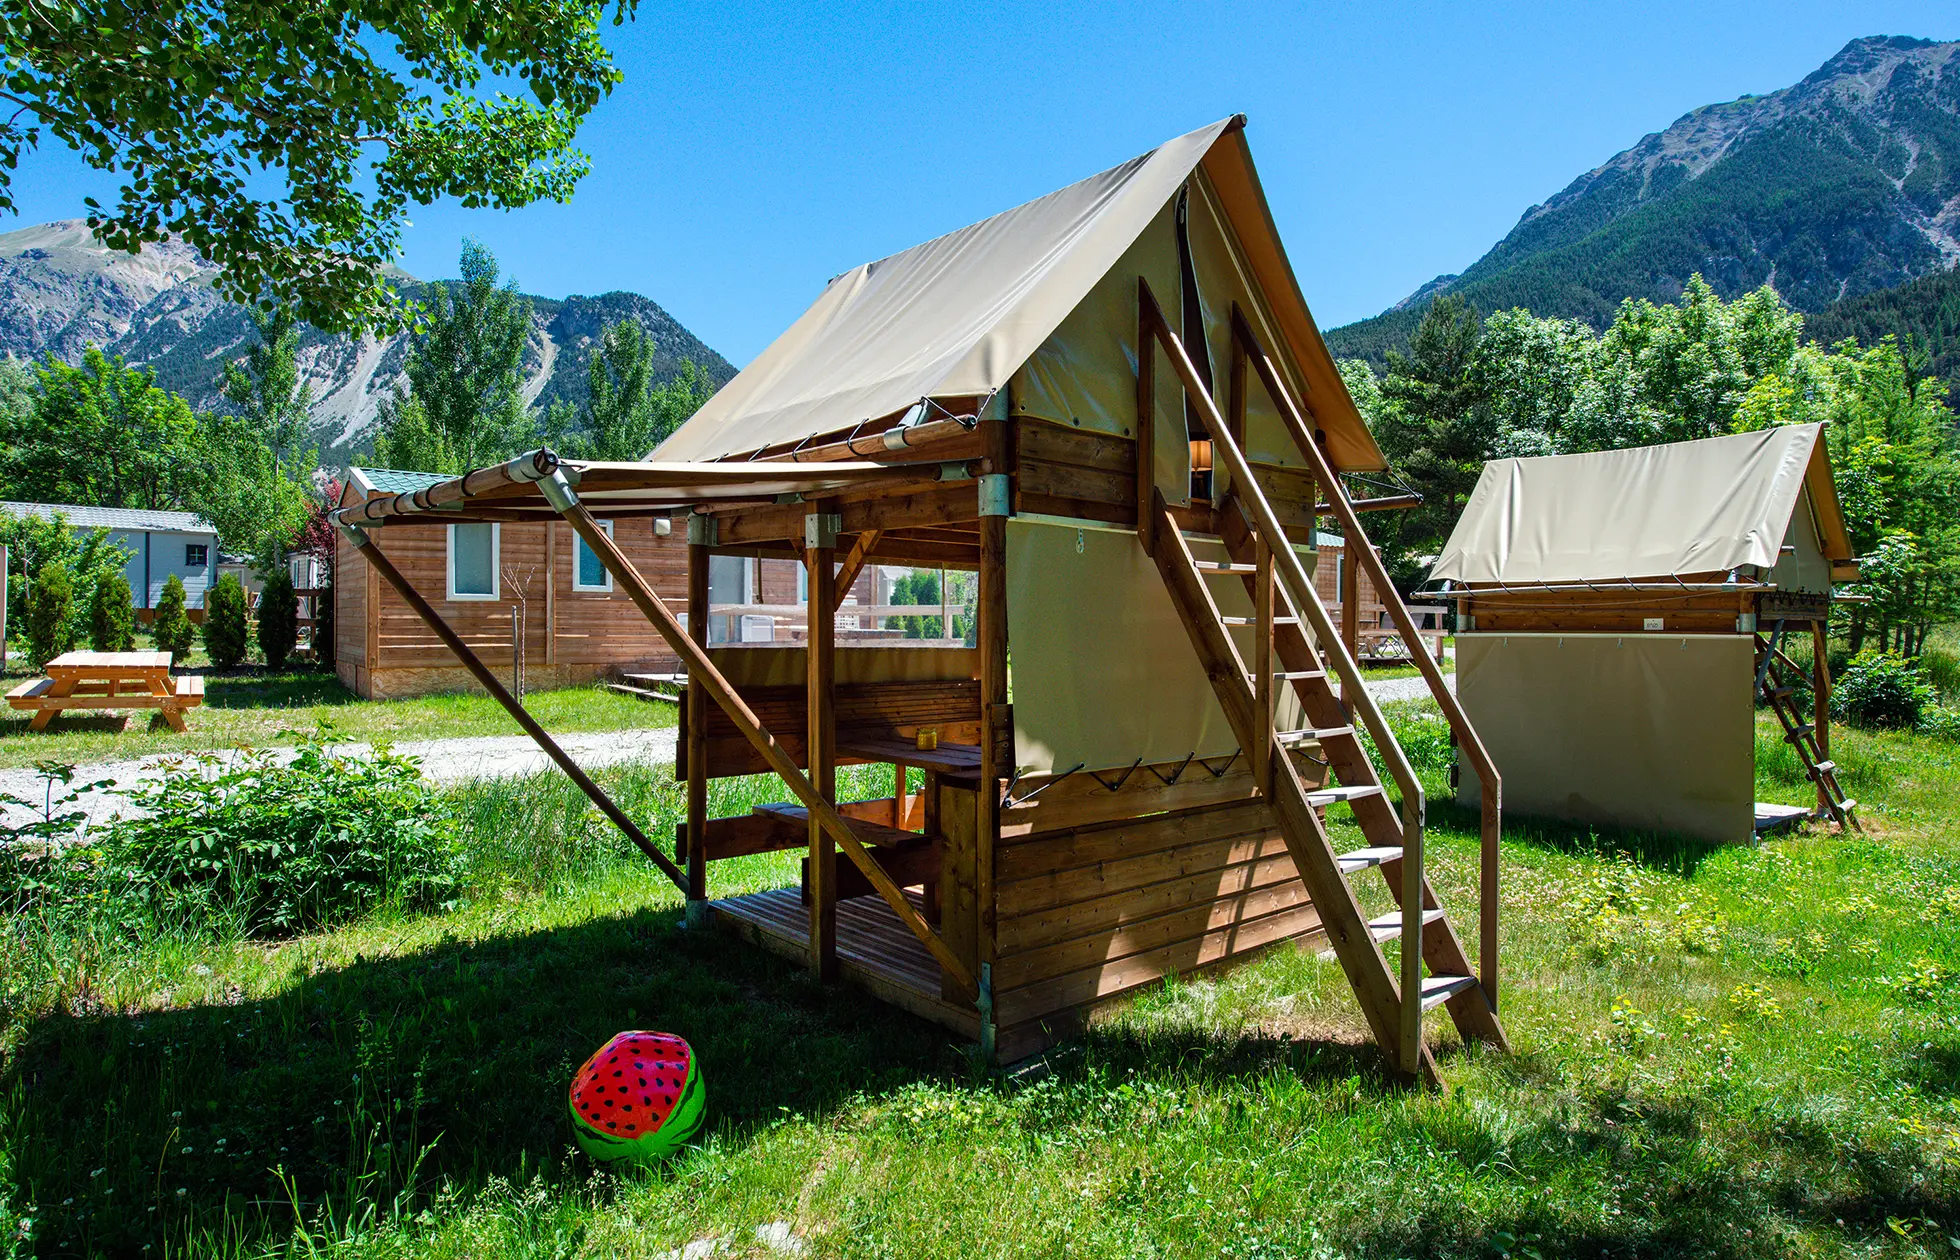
x,y
639,1098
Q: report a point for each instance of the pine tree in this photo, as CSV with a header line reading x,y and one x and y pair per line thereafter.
x,y
278,619
112,614
50,603
171,628
224,622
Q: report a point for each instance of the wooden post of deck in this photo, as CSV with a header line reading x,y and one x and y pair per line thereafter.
x,y
996,731
1348,574
820,739
700,531
1820,705
1146,427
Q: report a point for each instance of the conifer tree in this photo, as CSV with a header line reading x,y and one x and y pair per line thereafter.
x,y
224,622
278,619
171,629
112,614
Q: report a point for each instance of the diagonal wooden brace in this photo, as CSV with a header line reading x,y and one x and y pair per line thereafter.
x,y
481,672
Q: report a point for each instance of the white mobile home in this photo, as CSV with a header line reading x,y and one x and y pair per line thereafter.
x,y
159,543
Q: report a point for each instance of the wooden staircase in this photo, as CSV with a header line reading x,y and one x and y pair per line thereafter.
x,y
1779,680
1434,968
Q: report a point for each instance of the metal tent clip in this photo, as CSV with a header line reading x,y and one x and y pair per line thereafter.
x,y
1121,779
1220,772
1176,774
1009,800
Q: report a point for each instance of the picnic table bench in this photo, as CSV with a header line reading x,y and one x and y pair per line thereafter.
x,y
109,680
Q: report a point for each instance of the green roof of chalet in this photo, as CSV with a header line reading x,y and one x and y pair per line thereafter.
x,y
396,480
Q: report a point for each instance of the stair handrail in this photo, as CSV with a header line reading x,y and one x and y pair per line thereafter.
x,y
1299,589
1356,540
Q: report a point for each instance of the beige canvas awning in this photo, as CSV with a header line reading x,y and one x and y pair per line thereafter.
x,y
957,316
1683,508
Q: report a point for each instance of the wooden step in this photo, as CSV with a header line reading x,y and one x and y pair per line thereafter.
x,y
1299,675
1362,859
1797,732
877,834
1332,796
1778,693
1824,767
1224,566
1246,621
1312,735
1388,926
1847,806
1437,990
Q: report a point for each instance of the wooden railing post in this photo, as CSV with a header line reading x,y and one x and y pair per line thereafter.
x,y
819,740
700,538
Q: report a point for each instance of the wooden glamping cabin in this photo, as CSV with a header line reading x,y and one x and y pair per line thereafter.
x,y
1112,405
1617,612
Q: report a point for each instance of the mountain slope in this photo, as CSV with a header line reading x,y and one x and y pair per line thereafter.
x,y
1924,314
1843,184
62,291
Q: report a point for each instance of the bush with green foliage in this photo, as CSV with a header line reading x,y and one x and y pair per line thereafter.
x,y
278,619
170,627
224,622
1882,689
112,614
50,609
244,845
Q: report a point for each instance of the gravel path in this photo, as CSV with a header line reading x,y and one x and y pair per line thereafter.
x,y
1405,688
443,761
455,760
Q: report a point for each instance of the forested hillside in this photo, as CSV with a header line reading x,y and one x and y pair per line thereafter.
x,y
1841,185
1924,314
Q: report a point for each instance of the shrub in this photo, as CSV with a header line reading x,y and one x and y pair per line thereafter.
x,y
1882,690
50,605
112,614
1941,723
275,849
323,644
224,622
171,626
278,620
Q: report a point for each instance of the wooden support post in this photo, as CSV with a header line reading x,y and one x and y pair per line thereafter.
x,y
381,565
1262,666
698,557
1820,705
551,592
990,635
1146,422
853,563
820,740
1349,593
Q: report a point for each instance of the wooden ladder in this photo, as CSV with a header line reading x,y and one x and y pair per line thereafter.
x,y
1285,604
1779,680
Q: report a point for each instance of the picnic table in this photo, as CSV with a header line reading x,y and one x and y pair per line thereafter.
x,y
109,680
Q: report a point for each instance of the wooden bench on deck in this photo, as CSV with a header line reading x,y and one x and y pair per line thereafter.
x,y
108,680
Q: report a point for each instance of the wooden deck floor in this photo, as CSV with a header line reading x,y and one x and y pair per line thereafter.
x,y
875,951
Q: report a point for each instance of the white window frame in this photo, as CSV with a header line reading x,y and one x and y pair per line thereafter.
x,y
579,545
496,569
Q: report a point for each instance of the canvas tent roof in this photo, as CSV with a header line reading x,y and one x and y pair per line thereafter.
x,y
1682,508
957,316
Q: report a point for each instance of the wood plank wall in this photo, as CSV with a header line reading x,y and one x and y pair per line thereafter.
x,y
1065,471
1088,912
1606,612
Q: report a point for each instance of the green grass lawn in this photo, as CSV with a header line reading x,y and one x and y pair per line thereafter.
x,y
253,707
1720,1051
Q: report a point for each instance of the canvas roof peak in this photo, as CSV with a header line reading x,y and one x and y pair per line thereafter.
x,y
1705,506
957,316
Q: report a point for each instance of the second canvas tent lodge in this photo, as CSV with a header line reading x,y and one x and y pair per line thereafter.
x,y
1112,406
1618,612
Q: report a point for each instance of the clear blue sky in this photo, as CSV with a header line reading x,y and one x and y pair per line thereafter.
x,y
756,150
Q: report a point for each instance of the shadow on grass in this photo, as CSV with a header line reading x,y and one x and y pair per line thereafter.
x,y
1660,850
134,1130
251,689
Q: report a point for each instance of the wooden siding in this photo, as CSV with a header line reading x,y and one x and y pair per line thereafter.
x,y
1091,912
1607,611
